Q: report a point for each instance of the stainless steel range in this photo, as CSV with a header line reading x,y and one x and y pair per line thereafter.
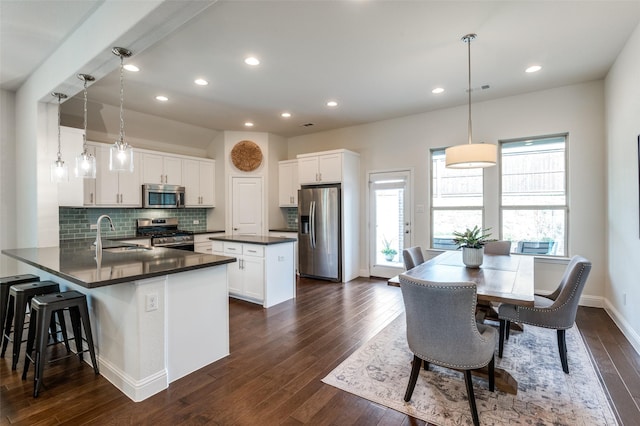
x,y
164,232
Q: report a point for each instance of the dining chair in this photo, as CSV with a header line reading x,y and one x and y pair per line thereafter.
x,y
412,257
556,310
502,247
441,330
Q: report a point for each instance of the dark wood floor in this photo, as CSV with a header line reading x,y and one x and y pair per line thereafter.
x,y
273,375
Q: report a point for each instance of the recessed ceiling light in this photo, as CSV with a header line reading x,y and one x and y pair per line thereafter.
x,y
251,60
285,115
437,90
248,124
533,68
131,67
332,104
162,98
201,82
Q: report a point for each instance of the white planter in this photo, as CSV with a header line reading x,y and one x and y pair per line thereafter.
x,y
472,257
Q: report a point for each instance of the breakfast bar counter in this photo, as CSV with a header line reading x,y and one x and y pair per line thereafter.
x,y
157,314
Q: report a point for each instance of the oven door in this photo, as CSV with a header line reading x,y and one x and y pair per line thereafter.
x,y
163,196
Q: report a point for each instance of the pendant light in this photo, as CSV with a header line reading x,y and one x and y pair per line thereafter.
x,y
59,170
121,153
470,155
85,162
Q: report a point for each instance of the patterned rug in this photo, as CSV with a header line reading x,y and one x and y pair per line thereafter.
x,y
379,371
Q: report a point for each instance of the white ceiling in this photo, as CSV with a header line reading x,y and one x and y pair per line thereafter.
x,y
378,59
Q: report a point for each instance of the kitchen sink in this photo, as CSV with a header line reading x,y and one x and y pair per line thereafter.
x,y
126,249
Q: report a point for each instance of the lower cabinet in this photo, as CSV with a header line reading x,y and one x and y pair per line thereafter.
x,y
202,244
262,274
293,234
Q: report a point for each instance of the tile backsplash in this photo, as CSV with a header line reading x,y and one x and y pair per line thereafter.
x,y
75,222
291,215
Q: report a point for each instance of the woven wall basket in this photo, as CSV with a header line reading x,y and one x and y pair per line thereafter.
x,y
246,156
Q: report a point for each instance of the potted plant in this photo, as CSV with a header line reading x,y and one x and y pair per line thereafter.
x,y
472,242
387,250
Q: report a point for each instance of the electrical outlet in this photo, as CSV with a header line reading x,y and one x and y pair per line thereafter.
x,y
196,222
93,226
151,302
624,299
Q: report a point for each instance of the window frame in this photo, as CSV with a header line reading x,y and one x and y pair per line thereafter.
x,y
565,207
432,209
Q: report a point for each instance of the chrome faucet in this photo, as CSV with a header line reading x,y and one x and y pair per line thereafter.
x,y
98,241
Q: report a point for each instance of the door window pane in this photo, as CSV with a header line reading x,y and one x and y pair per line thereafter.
x,y
389,225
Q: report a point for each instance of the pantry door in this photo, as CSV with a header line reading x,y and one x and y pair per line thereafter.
x,y
246,196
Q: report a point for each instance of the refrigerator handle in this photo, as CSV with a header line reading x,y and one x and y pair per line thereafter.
x,y
312,223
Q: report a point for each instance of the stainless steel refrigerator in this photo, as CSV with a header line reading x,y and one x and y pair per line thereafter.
x,y
319,232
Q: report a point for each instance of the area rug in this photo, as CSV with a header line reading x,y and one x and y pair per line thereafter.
x,y
379,371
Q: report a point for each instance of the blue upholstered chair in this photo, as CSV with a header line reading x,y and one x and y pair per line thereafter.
x,y
556,310
412,257
441,329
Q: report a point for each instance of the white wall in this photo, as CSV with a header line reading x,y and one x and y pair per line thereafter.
x,y
623,229
405,143
7,179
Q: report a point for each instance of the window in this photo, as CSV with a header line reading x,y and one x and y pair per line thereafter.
x,y
534,195
456,201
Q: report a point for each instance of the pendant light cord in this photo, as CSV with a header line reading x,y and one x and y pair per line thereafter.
x,y
468,39
122,144
59,143
84,134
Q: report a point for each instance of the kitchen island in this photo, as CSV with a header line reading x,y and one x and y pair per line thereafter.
x,y
158,314
265,272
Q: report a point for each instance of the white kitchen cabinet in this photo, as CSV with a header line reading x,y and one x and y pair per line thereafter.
x,y
288,183
117,189
77,192
199,182
161,169
262,274
320,167
294,235
202,244
348,163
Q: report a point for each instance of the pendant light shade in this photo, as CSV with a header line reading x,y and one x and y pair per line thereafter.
x,y
59,170
121,153
470,155
85,162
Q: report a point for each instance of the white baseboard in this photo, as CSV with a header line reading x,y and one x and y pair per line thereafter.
x,y
136,390
623,325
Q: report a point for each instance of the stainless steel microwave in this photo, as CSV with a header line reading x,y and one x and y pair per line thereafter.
x,y
156,196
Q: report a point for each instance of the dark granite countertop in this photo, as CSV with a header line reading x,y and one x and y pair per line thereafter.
x,y
264,240
75,261
295,231
208,232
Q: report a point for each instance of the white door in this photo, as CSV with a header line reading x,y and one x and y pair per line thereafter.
x,y
246,205
390,221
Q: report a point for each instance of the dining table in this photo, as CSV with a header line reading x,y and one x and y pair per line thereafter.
x,y
500,279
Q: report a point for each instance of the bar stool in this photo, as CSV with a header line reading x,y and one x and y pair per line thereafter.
x,y
5,283
20,296
42,310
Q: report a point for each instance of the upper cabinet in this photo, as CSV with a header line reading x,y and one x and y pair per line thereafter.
x,y
198,180
162,169
288,183
320,167
111,189
117,189
77,192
